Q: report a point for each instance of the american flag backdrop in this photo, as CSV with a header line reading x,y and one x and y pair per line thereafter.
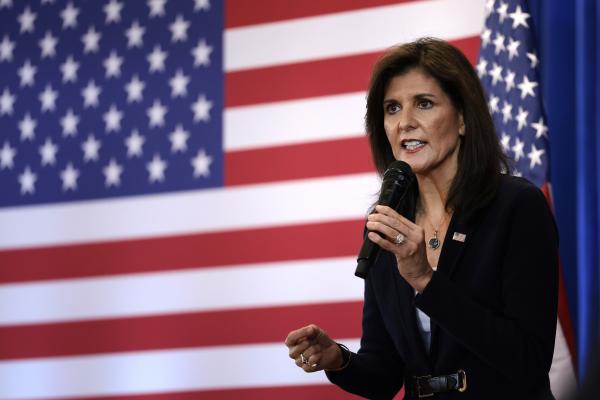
x,y
508,67
182,182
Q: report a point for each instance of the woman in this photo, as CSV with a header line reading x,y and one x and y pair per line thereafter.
x,y
462,302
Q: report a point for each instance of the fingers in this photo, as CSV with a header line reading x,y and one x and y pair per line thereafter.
x,y
310,358
306,333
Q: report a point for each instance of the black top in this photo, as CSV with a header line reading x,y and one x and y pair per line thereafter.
x,y
492,304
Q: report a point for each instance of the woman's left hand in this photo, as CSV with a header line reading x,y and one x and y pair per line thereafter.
x,y
398,235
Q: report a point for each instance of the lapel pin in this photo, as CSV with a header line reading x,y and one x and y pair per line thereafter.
x,y
459,237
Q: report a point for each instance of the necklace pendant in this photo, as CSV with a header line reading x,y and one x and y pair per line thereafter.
x,y
434,242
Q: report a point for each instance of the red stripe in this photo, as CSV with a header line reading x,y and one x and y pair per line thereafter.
x,y
249,12
327,391
299,80
257,325
307,160
564,316
182,252
314,78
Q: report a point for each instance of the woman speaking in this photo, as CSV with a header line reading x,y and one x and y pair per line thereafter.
x,y
461,302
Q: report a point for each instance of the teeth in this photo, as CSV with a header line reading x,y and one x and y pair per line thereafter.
x,y
413,144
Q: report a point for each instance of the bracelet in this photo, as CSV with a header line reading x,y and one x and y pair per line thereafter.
x,y
346,356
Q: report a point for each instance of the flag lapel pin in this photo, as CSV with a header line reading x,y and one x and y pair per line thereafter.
x,y
459,237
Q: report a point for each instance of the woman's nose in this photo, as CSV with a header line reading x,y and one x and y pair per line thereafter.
x,y
406,120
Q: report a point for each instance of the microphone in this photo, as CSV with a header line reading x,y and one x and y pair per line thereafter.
x,y
396,180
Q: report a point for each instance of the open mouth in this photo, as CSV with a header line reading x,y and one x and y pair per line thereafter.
x,y
412,144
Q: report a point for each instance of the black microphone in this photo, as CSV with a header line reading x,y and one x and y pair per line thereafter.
x,y
396,180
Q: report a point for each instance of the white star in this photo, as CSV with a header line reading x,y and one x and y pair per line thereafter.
x,y
48,152
134,144
135,35
179,84
69,177
201,109
156,169
493,104
201,53
91,40
179,139
535,156
69,16
509,80
496,74
156,114
27,20
513,46
526,87
69,70
69,123
112,119
134,89
179,29
518,149
201,164
482,68
522,118
157,7
489,7
7,102
6,49
499,43
112,64
48,99
90,94
486,37
201,5
27,74
7,156
27,180
27,127
6,3
533,59
505,142
518,173
502,11
507,112
540,128
157,59
48,45
113,11
112,174
519,18
91,148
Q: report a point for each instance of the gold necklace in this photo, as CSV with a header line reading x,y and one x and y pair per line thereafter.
x,y
434,242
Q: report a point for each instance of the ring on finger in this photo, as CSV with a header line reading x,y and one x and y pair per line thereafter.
x,y
304,359
400,238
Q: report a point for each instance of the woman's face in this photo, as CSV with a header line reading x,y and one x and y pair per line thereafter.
x,y
421,123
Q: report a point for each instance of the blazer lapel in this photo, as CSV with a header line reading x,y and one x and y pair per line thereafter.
x,y
458,236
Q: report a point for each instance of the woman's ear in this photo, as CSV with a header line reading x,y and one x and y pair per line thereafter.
x,y
461,125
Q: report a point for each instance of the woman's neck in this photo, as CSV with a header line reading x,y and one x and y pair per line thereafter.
x,y
433,194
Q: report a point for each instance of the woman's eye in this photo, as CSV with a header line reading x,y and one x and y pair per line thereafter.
x,y
425,104
392,108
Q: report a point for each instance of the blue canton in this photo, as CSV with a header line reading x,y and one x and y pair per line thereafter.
x,y
111,98
508,69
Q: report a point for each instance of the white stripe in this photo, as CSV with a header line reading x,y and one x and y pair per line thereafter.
x,y
226,367
206,289
292,122
352,32
273,204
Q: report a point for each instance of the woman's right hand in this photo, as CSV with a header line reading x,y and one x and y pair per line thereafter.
x,y
313,350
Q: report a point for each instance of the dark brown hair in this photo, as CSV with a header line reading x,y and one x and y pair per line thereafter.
x,y
480,157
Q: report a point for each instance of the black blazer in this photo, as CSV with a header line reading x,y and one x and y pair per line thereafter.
x,y
492,304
